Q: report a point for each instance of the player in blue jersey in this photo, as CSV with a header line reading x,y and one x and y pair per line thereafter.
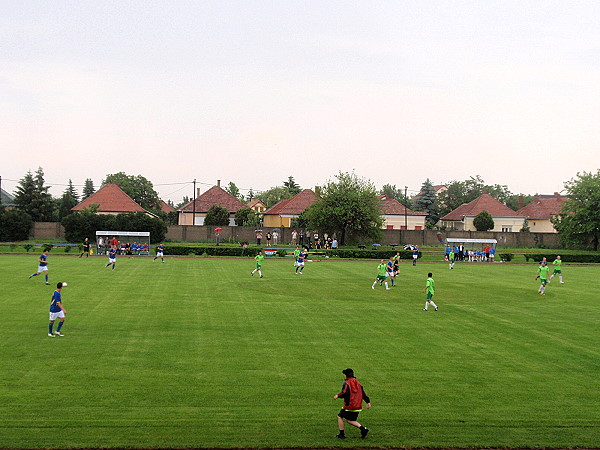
x,y
390,272
57,311
300,261
42,266
112,258
159,253
415,254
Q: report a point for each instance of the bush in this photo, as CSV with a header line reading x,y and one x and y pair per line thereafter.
x,y
506,256
68,248
15,225
586,258
211,251
282,253
28,247
47,247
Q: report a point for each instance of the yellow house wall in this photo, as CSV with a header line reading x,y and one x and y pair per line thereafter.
x,y
273,220
541,226
398,222
515,222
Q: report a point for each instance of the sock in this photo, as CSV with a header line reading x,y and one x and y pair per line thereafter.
x,y
433,304
60,324
426,305
342,433
386,285
375,283
560,278
260,273
46,278
107,265
393,284
50,325
154,259
162,259
543,288
296,269
34,274
254,271
113,267
551,276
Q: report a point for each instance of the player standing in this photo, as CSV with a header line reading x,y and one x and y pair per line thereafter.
x,y
353,394
430,288
57,311
300,261
543,270
415,254
86,248
451,256
381,275
112,258
557,270
42,266
259,259
159,253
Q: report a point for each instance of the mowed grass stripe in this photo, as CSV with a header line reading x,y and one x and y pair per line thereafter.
x,y
195,352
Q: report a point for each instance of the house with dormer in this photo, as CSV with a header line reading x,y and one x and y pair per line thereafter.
x,y
194,212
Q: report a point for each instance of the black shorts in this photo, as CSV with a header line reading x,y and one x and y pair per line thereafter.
x,y
348,415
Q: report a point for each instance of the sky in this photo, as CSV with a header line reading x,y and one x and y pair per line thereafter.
x,y
255,91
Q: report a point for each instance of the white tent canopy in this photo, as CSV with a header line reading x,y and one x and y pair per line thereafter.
x,y
492,242
141,237
123,233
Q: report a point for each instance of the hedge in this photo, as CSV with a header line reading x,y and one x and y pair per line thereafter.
x,y
586,258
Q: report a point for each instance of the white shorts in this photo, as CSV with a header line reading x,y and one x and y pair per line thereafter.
x,y
42,269
415,256
299,264
390,274
295,263
159,254
112,260
57,315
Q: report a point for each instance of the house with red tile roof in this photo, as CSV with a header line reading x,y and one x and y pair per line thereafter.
x,y
282,213
541,210
111,199
256,205
194,212
505,219
398,217
165,207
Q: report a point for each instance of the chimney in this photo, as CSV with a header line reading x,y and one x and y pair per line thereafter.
x,y
197,192
218,183
520,201
536,198
557,195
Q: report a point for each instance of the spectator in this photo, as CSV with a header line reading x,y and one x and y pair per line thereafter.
x,y
294,237
275,237
258,237
268,236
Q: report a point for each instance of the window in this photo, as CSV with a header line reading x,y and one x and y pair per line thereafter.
x,y
402,227
418,228
506,229
389,227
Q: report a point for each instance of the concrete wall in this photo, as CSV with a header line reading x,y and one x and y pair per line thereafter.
x,y
47,230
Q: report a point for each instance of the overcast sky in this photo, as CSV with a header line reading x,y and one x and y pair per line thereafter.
x,y
255,91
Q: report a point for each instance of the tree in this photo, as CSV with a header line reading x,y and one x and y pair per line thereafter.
x,y
579,220
33,198
139,188
88,188
250,195
217,215
184,201
513,201
274,195
349,207
427,201
483,221
234,190
292,186
68,200
15,225
243,216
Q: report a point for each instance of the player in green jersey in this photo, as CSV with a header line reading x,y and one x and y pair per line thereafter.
x,y
381,276
543,275
557,270
430,288
259,259
451,258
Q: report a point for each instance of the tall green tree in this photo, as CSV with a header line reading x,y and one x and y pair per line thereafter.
x,y
427,202
348,206
234,190
69,199
15,225
292,186
250,195
274,195
32,197
578,223
391,191
217,215
138,187
88,188
483,221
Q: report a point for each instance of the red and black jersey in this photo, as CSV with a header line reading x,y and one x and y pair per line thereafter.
x,y
353,394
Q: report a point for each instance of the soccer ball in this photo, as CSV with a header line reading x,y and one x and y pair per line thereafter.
x,y
64,284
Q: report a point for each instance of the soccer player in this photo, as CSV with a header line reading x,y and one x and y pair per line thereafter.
x,y
557,270
381,275
296,253
159,253
259,259
86,248
300,261
397,264
353,394
451,256
390,272
415,254
112,258
543,275
430,288
57,311
42,266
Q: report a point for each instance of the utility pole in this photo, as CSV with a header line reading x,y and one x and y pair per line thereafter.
x,y
0,190
194,205
405,213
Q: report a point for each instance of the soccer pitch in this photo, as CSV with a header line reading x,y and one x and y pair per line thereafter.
x,y
197,353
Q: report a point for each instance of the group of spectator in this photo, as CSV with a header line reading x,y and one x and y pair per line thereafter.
x,y
313,240
122,248
461,254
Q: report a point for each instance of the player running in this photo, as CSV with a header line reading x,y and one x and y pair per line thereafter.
x,y
397,264
430,288
381,275
451,257
543,270
353,394
159,253
390,272
57,311
557,270
259,259
42,266
300,261
112,258
415,254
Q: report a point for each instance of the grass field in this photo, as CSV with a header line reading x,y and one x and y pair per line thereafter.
x,y
196,353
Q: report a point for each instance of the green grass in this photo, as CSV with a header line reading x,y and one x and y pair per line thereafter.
x,y
196,353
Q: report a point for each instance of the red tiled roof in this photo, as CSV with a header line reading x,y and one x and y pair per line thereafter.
x,y
110,198
391,207
543,207
165,207
252,203
485,202
295,205
216,195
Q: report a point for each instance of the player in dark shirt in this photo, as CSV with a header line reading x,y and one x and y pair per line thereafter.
x,y
353,394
